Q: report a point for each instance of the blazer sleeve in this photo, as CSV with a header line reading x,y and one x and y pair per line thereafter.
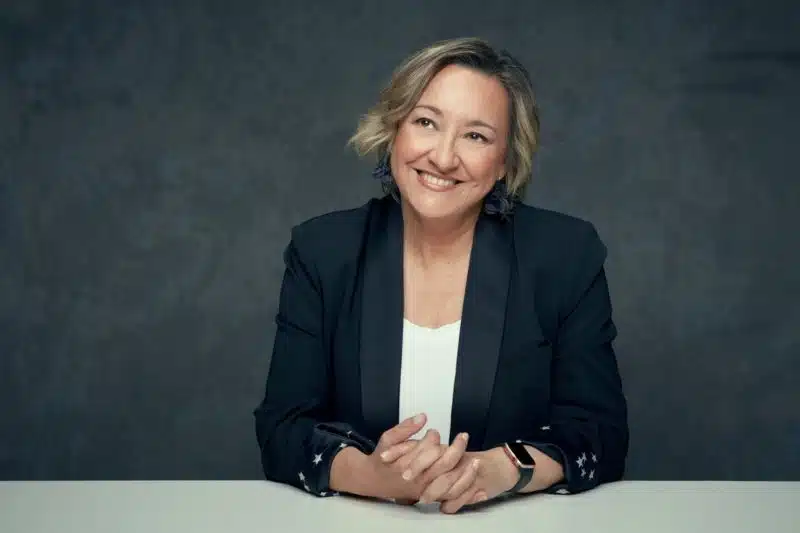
x,y
588,429
295,433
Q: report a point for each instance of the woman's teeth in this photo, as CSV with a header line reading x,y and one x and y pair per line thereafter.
x,y
438,182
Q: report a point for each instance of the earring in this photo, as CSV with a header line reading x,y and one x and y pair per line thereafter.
x,y
498,201
383,171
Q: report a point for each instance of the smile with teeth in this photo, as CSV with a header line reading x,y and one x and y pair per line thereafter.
x,y
436,182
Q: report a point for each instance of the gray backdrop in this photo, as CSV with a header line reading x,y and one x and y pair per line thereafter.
x,y
154,156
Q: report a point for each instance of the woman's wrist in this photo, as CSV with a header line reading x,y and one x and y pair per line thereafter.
x,y
352,473
547,471
347,471
507,472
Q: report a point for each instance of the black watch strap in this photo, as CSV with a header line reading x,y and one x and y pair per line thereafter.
x,y
522,460
525,476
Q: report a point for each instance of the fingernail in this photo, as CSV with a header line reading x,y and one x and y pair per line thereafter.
x,y
385,455
407,475
481,497
419,418
476,463
465,436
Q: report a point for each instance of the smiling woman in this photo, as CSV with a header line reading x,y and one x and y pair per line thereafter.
x,y
451,149
483,94
447,306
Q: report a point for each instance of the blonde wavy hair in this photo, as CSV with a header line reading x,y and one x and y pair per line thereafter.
x,y
377,128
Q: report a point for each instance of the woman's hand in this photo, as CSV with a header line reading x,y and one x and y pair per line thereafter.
x,y
423,461
478,477
382,473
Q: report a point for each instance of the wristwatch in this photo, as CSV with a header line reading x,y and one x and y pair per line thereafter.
x,y
525,464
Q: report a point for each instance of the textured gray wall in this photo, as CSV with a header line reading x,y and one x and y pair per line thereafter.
x,y
153,158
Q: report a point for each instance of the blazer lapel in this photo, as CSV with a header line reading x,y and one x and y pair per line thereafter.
x,y
482,323
382,318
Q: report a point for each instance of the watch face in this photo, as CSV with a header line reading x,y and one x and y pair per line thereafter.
x,y
522,455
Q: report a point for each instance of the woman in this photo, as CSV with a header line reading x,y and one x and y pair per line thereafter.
x,y
448,305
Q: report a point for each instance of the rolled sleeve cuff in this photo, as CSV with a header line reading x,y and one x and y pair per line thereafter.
x,y
326,441
580,470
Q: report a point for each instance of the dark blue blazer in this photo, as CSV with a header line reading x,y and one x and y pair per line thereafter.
x,y
535,358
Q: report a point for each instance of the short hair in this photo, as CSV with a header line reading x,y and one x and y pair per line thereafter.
x,y
377,128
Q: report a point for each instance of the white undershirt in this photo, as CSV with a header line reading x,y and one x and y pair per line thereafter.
x,y
428,374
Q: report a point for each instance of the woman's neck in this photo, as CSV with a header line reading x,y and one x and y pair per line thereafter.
x,y
437,242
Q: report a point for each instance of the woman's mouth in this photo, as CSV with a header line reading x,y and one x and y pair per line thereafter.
x,y
436,183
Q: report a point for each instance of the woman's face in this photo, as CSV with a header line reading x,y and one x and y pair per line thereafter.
x,y
451,148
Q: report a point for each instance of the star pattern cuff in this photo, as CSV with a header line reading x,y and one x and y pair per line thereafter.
x,y
580,466
326,441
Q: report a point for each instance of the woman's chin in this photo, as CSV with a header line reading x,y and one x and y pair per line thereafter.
x,y
436,209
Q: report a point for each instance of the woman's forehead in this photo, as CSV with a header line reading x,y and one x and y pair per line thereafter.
x,y
466,94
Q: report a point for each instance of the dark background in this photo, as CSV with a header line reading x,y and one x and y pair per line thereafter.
x,y
154,155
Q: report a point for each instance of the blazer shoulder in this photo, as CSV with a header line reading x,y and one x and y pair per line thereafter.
x,y
559,240
332,238
564,253
541,222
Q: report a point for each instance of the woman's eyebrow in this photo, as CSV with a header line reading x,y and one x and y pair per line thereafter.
x,y
475,122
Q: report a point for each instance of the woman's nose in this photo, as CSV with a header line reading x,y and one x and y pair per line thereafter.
x,y
444,156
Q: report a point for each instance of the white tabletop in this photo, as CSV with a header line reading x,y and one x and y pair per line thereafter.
x,y
259,506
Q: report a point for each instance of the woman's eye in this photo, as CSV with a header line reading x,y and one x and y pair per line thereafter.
x,y
477,137
424,122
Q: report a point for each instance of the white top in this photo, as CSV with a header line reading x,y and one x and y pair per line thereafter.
x,y
428,373
250,506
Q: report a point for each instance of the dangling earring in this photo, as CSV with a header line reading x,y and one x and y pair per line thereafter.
x,y
383,171
498,201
